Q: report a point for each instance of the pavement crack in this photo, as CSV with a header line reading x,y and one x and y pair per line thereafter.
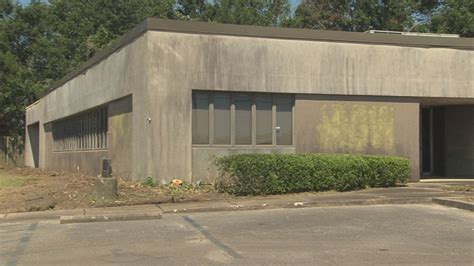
x,y
22,245
211,238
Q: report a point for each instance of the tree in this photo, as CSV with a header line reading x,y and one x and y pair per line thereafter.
x,y
454,16
251,12
85,27
194,10
28,61
354,15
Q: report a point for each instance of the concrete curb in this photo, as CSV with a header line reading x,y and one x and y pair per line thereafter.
x,y
109,218
241,207
455,203
152,212
38,216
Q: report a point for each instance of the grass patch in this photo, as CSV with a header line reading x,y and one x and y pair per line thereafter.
x,y
8,181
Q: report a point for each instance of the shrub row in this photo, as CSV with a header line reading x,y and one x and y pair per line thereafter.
x,y
263,174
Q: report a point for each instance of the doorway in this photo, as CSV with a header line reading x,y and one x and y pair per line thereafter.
x,y
33,137
427,141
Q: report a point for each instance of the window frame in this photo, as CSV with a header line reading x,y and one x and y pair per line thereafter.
x,y
253,96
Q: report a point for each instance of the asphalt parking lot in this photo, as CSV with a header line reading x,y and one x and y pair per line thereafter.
x,y
381,234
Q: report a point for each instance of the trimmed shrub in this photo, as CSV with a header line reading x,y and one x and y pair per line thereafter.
x,y
263,174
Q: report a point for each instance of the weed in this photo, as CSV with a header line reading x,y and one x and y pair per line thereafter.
x,y
149,182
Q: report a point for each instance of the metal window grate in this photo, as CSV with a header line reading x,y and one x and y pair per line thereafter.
x,y
85,131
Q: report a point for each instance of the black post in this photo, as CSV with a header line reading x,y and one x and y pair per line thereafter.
x,y
106,167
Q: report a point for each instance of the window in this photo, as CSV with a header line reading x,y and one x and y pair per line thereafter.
x,y
221,118
201,118
85,131
242,118
284,126
264,104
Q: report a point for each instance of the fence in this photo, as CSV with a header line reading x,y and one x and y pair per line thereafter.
x,y
11,151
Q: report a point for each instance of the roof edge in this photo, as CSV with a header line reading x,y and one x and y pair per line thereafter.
x,y
307,34
193,27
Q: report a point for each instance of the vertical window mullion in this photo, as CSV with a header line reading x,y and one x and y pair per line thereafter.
x,y
99,128
88,130
253,113
91,123
211,119
96,125
264,119
284,116
68,134
232,120
221,119
274,123
106,126
200,118
81,134
243,119
74,133
102,135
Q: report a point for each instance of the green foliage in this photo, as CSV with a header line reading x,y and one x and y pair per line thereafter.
x,y
251,12
350,15
27,61
263,174
149,182
454,16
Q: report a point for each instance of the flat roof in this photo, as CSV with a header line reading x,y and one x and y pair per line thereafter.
x,y
193,27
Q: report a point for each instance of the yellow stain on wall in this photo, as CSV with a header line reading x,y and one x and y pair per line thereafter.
x,y
356,128
117,123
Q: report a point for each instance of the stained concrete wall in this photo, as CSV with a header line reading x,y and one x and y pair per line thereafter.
x,y
120,130
85,161
120,136
258,64
179,63
120,74
335,125
459,141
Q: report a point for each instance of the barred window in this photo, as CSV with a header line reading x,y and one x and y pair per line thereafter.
x,y
85,131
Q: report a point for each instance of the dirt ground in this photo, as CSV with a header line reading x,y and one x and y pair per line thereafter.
x,y
27,189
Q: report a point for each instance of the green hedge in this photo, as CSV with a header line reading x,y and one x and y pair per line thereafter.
x,y
263,174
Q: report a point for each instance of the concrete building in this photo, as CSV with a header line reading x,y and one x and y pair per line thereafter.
x,y
170,96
